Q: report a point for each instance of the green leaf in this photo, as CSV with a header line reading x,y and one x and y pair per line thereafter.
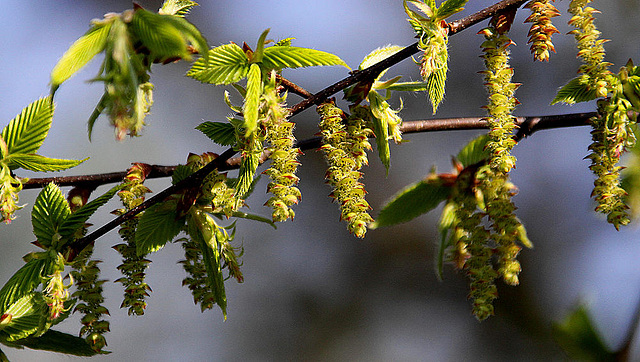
x,y
244,215
50,210
78,218
428,7
408,86
23,282
578,337
415,200
100,107
246,174
26,132
177,7
435,86
59,342
379,109
251,104
80,53
448,8
162,39
474,151
576,91
39,163
447,221
219,132
157,226
281,57
258,54
25,317
379,55
190,33
202,229
225,64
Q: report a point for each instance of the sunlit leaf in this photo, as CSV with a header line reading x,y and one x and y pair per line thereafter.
x,y
447,221
25,317
251,104
225,64
27,131
78,218
39,163
23,281
157,226
576,91
219,132
50,210
408,86
80,53
448,8
177,7
202,229
281,57
379,108
379,55
435,86
158,36
415,200
474,151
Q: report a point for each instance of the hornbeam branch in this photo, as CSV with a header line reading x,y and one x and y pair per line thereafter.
x,y
366,74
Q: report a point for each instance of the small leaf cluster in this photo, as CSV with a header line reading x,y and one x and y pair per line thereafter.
x,y
541,31
381,118
133,265
19,143
432,32
345,142
29,312
131,42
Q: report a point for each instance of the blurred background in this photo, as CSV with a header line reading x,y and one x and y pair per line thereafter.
x,y
311,290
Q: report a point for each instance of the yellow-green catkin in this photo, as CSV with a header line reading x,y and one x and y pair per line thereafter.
x,y
283,154
345,142
89,293
472,252
133,266
541,29
612,129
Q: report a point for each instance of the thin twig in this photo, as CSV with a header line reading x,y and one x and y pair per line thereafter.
x,y
357,76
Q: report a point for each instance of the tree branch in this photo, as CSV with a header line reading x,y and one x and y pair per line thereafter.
x,y
357,76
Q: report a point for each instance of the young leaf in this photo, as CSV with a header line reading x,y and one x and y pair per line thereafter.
x,y
257,55
50,210
26,132
447,221
80,53
59,342
379,108
448,8
435,86
415,200
157,226
219,132
252,101
177,7
162,39
25,316
78,218
248,167
39,163
225,64
474,151
577,335
576,91
202,229
281,57
408,86
23,281
379,55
